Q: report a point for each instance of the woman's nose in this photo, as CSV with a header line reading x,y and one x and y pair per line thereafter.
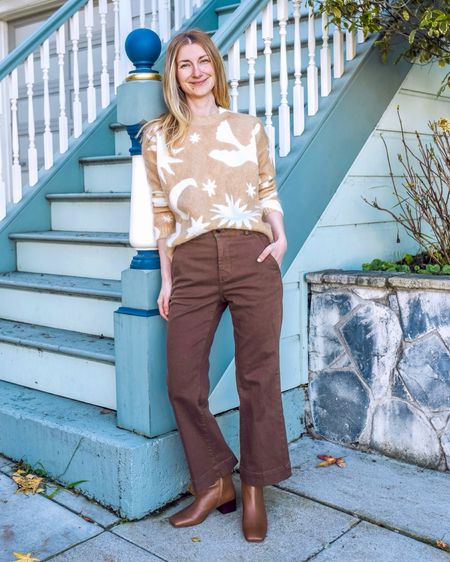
x,y
196,71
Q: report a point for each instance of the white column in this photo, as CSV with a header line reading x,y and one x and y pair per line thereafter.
x,y
299,94
350,45
338,53
47,137
234,72
267,35
91,94
2,177
325,60
76,102
32,152
125,27
283,109
251,54
104,77
312,73
16,167
62,122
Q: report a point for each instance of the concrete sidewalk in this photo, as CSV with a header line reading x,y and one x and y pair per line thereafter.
x,y
374,509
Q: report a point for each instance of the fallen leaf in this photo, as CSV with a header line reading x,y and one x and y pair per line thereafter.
x,y
441,544
196,539
26,484
25,557
328,460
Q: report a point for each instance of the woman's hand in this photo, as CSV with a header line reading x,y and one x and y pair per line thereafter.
x,y
277,249
163,299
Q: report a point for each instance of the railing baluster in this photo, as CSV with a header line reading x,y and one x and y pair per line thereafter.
x,y
284,112
2,152
141,13
62,122
267,35
16,167
312,73
32,152
104,77
47,136
76,102
117,63
325,60
187,9
251,52
91,94
177,14
154,22
350,45
338,53
299,94
234,72
164,30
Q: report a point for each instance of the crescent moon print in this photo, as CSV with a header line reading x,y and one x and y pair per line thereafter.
x,y
176,192
242,153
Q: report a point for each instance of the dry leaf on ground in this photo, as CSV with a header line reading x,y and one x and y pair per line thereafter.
x,y
20,557
196,539
328,460
441,544
26,484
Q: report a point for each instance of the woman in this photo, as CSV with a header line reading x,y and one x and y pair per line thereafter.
x,y
220,236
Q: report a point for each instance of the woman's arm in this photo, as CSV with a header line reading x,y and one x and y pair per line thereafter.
x,y
166,279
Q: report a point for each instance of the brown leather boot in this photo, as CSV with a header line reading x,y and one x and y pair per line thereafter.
x,y
254,517
221,495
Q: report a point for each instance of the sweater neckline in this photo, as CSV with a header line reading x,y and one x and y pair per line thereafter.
x,y
209,119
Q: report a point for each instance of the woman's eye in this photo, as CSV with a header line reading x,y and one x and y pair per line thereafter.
x,y
204,61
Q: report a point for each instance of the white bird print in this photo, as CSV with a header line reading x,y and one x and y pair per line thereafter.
x,y
242,153
175,193
164,160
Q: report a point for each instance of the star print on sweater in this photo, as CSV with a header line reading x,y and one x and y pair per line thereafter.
x,y
221,177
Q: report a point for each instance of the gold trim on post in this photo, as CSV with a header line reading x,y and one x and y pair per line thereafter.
x,y
143,76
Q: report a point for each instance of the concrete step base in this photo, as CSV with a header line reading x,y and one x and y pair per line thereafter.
x,y
75,441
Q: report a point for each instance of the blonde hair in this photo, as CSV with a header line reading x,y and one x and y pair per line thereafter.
x,y
174,124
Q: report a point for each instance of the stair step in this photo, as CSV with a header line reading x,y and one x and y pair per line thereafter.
x,y
62,362
107,173
100,212
66,302
99,255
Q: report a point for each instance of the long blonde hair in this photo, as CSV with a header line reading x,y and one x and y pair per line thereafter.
x,y
174,124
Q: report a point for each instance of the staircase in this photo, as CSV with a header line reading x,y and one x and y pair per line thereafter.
x,y
56,307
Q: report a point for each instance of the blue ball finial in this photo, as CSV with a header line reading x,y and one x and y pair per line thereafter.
x,y
143,47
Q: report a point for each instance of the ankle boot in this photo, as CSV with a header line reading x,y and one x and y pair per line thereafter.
x,y
254,517
221,495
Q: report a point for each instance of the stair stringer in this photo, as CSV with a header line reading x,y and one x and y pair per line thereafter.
x,y
306,185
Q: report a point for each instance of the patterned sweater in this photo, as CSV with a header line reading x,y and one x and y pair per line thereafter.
x,y
221,177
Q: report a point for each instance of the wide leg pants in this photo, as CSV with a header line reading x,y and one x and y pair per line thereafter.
x,y
210,272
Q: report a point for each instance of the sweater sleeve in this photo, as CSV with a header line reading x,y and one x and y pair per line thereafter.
x,y
163,218
267,192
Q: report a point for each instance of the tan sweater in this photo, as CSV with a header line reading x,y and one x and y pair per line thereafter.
x,y
221,177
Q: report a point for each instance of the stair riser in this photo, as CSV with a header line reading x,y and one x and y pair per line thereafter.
x,y
58,310
64,375
107,177
122,142
84,260
91,216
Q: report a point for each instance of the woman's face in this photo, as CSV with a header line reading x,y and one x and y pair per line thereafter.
x,y
195,72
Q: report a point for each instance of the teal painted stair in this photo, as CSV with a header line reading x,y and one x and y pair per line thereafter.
x,y
67,284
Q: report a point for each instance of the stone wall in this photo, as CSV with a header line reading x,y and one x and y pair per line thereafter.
x,y
379,363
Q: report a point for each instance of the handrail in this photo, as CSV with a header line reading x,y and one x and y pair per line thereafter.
x,y
20,53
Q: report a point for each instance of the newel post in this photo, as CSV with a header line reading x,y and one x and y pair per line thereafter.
x,y
140,333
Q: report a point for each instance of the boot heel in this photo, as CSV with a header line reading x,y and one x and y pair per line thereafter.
x,y
228,507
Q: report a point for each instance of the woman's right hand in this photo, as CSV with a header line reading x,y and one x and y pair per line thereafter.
x,y
163,299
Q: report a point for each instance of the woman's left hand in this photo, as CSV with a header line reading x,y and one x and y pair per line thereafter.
x,y
277,249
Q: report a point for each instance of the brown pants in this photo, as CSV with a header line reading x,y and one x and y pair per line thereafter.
x,y
209,273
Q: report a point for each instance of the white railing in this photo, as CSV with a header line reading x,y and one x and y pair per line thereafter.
x,y
53,92
258,41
